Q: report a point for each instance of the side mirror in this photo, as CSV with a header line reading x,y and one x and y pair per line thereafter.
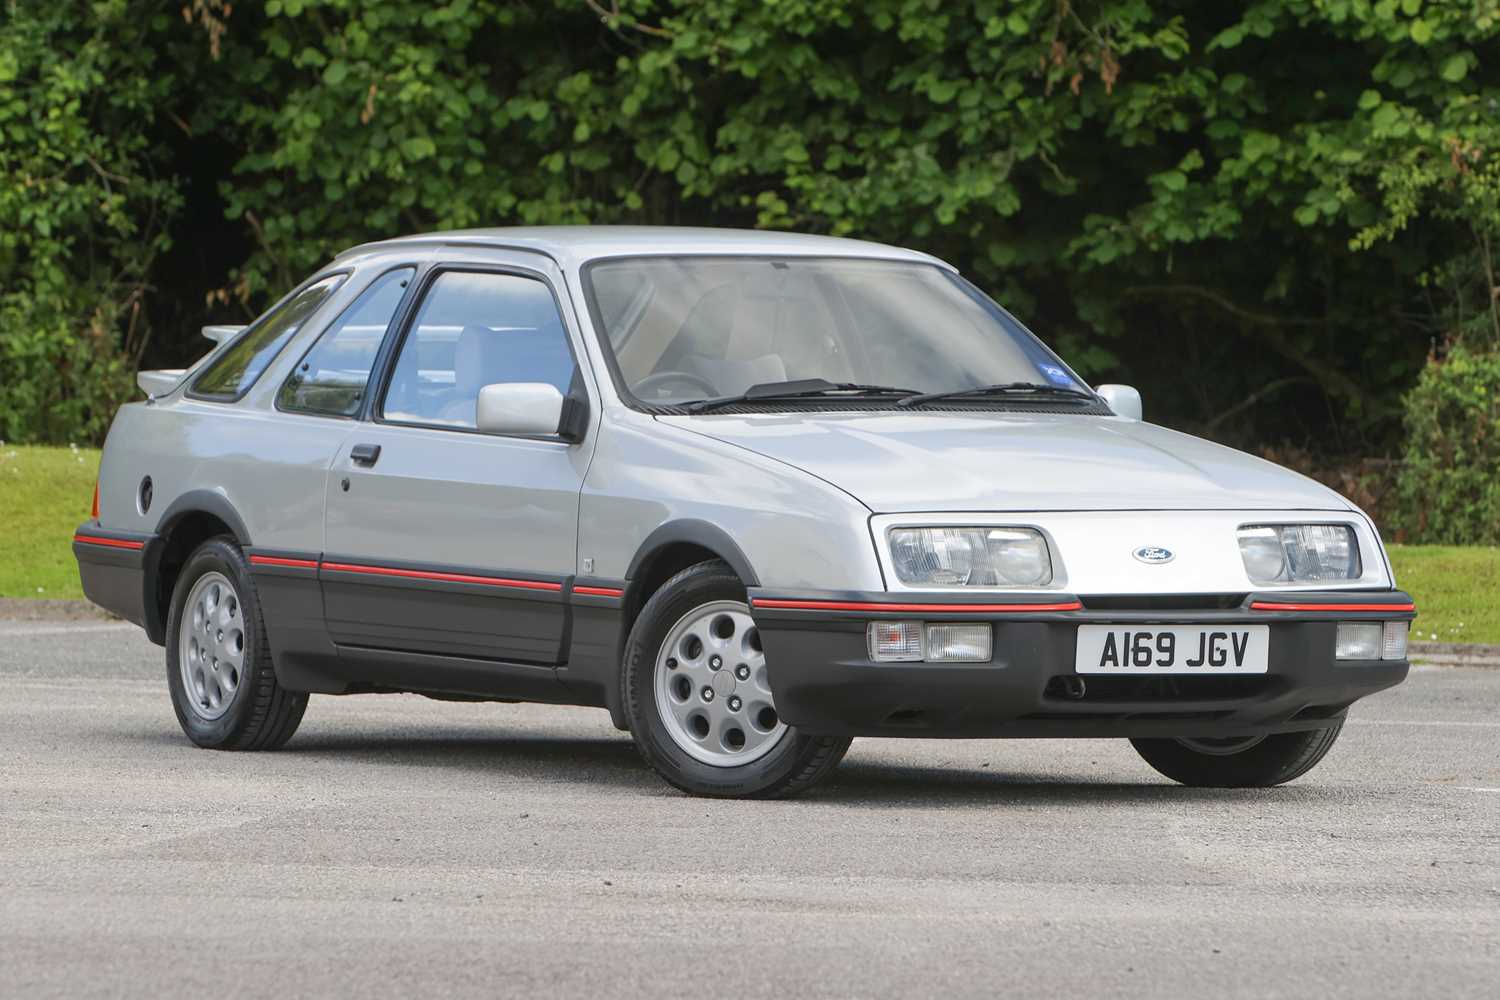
x,y
519,408
1123,399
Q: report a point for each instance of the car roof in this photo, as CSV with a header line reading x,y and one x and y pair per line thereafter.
x,y
577,245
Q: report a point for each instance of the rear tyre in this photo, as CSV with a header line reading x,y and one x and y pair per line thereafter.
x,y
695,692
219,671
1258,762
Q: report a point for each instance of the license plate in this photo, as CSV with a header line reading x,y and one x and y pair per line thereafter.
x,y
1229,649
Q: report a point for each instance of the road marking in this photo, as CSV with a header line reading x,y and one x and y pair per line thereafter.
x,y
59,629
1424,722
1474,788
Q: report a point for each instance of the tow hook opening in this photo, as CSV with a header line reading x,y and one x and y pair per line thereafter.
x,y
1069,686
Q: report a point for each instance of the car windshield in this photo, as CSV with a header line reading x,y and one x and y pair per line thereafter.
x,y
684,329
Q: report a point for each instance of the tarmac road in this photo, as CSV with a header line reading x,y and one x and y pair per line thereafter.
x,y
402,846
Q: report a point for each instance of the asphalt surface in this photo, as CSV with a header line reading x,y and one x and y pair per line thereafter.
x,y
401,846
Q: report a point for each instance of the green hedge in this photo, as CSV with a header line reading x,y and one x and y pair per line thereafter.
x,y
1260,213
1449,485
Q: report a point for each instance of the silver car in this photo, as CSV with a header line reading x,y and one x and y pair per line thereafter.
x,y
753,493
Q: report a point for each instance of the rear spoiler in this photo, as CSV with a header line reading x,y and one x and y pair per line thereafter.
x,y
219,334
164,380
159,382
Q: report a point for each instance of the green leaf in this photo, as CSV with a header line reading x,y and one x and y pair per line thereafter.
x,y
1369,99
1456,68
942,91
1228,38
1421,32
418,147
1172,180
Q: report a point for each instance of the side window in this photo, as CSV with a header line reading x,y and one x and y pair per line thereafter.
x,y
475,329
332,376
236,370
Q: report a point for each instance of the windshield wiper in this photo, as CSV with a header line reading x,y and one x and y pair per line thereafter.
x,y
797,389
1003,389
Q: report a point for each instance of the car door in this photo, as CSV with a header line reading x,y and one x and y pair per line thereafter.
x,y
447,548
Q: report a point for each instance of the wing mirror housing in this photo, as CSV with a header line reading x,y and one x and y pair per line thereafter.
x,y
1123,399
530,409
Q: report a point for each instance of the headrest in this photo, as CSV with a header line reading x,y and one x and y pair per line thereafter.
x,y
480,351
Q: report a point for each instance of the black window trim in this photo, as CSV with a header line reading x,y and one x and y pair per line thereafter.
x,y
601,333
374,410
210,397
391,326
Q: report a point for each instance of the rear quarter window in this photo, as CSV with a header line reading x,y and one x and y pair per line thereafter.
x,y
232,374
332,376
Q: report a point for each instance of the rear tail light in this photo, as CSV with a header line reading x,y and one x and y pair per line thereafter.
x,y
95,512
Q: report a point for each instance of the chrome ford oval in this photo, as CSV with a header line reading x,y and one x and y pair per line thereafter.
x,y
1154,554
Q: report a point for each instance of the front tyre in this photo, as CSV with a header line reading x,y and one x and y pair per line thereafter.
x,y
219,671
1256,762
695,692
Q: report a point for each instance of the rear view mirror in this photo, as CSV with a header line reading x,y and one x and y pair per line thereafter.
x,y
1123,399
519,408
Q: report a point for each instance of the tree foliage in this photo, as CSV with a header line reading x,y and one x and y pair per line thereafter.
x,y
1266,214
1449,489
84,211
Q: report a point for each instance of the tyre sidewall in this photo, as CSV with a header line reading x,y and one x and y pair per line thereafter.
x,y
1279,758
215,555
691,589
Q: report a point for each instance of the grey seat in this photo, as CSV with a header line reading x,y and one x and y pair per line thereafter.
x,y
479,354
485,356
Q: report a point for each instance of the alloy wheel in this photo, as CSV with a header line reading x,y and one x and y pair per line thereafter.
x,y
711,687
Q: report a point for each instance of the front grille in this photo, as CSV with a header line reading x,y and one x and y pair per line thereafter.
x,y
1164,602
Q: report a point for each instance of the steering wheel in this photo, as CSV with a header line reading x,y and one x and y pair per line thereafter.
x,y
657,379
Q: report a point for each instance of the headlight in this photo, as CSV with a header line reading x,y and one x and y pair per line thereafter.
x,y
1299,553
970,557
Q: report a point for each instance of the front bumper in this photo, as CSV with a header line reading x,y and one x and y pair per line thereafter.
x,y
823,680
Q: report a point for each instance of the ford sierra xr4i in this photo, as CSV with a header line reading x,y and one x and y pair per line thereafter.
x,y
753,493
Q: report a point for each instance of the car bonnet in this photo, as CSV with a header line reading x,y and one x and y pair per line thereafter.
x,y
995,461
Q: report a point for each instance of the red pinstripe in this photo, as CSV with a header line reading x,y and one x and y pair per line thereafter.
x,y
764,602
114,543
420,574
600,591
1278,606
279,561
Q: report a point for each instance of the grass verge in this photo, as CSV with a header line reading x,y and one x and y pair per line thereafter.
x,y
45,493
1457,589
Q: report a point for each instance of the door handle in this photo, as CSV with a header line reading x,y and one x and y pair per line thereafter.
x,y
365,454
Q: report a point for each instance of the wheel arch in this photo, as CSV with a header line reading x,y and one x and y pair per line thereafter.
x,y
188,522
667,551
672,548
